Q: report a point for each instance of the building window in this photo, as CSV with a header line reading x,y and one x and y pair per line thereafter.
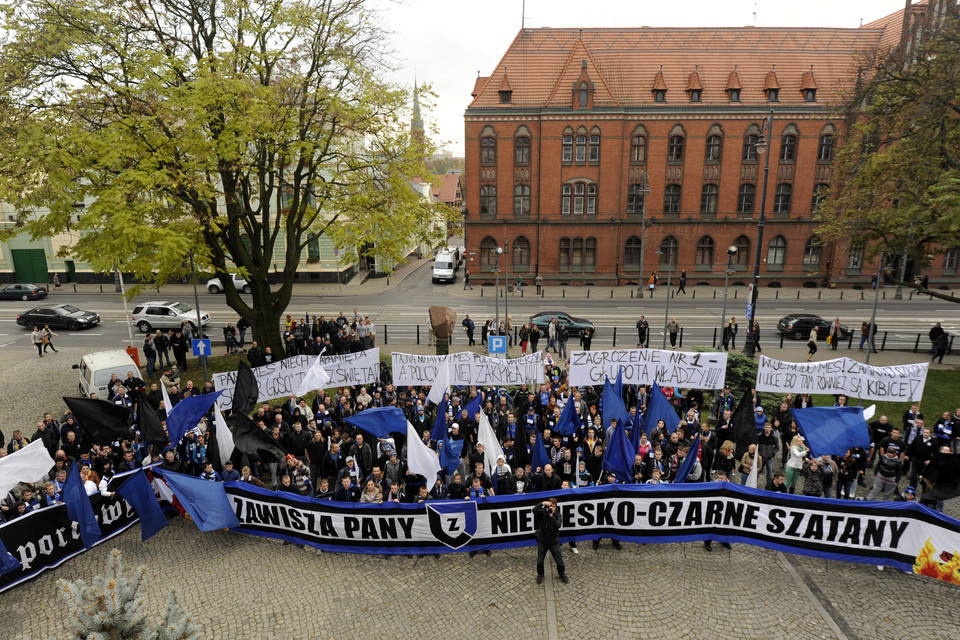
x,y
521,200
590,254
313,247
788,148
671,199
635,196
773,95
594,148
521,151
825,150
579,190
777,252
564,256
488,252
708,198
660,95
742,243
631,252
811,252
576,255
488,200
638,149
950,260
668,252
750,147
810,95
286,197
521,252
695,95
565,199
584,94
734,95
591,199
855,256
488,150
746,197
713,149
705,251
567,153
781,201
819,196
505,97
581,148
675,149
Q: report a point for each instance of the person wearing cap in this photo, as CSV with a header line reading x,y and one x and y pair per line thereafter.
x,y
351,471
909,495
547,523
798,453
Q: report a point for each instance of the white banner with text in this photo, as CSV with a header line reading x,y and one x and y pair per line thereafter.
x,y
897,383
467,368
686,369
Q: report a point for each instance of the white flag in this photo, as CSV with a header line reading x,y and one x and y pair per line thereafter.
x,y
316,377
162,490
491,446
167,407
441,384
29,464
421,459
752,476
223,435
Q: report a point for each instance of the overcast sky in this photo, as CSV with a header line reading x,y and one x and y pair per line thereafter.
x,y
447,41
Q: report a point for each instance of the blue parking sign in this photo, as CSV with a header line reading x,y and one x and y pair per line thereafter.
x,y
201,347
497,344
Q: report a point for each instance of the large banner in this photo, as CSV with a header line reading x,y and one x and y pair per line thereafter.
x,y
898,383
46,538
467,368
281,379
645,366
903,535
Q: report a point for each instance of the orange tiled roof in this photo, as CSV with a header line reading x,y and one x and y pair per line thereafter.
x,y
545,63
733,81
479,85
693,82
770,80
808,81
446,191
892,27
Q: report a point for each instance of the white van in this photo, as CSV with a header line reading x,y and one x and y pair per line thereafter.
x,y
444,266
96,369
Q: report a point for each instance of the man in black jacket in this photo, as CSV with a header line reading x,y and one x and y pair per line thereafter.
x,y
546,520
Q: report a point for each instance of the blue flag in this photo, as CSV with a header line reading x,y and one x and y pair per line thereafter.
x,y
380,422
137,491
659,408
617,457
687,465
79,508
538,457
618,384
569,421
832,430
205,501
440,424
450,454
613,406
7,562
474,407
187,414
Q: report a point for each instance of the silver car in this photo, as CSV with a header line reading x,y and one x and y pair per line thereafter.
x,y
166,315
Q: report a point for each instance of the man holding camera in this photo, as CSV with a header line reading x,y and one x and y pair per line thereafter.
x,y
546,519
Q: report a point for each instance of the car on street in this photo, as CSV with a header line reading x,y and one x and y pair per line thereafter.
x,y
58,316
575,326
214,286
22,291
166,315
798,325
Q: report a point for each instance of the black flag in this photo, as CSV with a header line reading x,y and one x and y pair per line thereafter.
x,y
943,473
743,426
149,424
249,438
102,421
246,391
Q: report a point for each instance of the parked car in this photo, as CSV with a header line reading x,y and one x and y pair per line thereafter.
x,y
166,315
575,326
214,286
798,325
58,316
22,291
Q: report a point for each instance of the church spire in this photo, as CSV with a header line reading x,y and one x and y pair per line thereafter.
x,y
416,123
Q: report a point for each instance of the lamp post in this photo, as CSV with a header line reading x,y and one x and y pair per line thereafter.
x,y
731,251
666,311
496,286
644,190
196,301
749,345
506,287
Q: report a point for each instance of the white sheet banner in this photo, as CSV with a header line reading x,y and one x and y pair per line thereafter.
x,y
467,367
897,383
645,366
280,379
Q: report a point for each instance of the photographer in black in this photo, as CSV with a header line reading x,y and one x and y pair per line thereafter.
x,y
546,519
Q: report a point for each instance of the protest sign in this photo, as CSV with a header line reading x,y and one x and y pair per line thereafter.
x,y
467,368
903,535
645,366
282,378
898,383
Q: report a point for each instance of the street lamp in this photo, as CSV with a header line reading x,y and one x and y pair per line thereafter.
x,y
731,252
750,344
644,190
506,287
666,313
496,286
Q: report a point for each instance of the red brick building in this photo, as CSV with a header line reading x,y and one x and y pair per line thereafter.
x,y
579,134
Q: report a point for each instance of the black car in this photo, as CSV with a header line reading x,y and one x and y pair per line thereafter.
x,y
58,316
798,325
575,326
22,291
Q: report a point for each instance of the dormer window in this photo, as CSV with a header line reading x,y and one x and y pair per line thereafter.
x,y
734,95
695,95
773,95
505,97
810,95
583,95
660,95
